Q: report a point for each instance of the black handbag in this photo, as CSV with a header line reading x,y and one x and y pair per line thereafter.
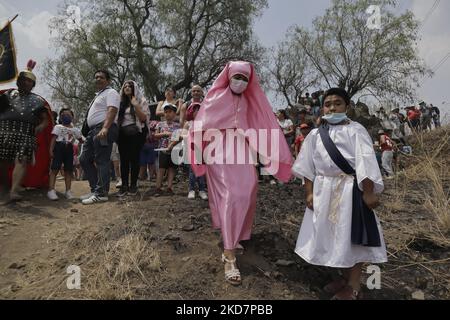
x,y
130,130
85,128
364,225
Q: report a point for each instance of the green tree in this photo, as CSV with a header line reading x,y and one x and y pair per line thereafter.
x,y
156,43
292,72
346,52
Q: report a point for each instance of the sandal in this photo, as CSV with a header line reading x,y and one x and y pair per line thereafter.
x,y
335,286
348,293
232,276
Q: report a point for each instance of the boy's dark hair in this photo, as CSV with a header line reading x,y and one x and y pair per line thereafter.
x,y
284,113
105,72
64,110
337,92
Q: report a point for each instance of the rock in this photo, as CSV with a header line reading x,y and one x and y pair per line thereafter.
x,y
171,237
418,295
408,289
277,275
74,210
188,228
186,259
14,288
284,263
17,266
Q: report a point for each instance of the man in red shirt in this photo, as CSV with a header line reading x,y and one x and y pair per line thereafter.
x,y
305,129
414,118
387,149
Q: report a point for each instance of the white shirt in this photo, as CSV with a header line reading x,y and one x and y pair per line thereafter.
x,y
128,118
286,124
325,235
99,109
65,134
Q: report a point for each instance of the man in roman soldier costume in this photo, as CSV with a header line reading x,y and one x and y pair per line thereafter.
x,y
25,133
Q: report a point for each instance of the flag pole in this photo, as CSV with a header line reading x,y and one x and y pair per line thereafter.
x,y
10,21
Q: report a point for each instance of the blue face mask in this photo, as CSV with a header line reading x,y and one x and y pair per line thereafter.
x,y
335,118
66,120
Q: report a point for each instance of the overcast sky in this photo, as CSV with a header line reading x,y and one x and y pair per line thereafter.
x,y
32,33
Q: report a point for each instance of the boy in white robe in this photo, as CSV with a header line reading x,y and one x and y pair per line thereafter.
x,y
325,234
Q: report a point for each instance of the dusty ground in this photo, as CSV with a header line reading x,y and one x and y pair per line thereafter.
x,y
164,248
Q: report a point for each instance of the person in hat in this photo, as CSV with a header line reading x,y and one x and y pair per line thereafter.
x,y
25,123
165,134
396,120
426,116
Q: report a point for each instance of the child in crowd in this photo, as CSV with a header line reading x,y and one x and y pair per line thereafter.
x,y
342,180
115,159
191,113
148,154
61,152
164,131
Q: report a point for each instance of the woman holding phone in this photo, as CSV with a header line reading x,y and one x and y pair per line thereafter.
x,y
134,114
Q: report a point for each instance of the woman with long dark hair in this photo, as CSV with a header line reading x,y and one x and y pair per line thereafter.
x,y
134,114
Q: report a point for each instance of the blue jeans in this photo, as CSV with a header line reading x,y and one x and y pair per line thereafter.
x,y
201,181
96,160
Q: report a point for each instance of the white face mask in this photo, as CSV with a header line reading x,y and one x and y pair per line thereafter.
x,y
238,86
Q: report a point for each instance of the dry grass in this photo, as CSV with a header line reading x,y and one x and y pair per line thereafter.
x,y
116,261
418,211
430,168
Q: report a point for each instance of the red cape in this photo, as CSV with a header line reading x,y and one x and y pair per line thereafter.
x,y
37,175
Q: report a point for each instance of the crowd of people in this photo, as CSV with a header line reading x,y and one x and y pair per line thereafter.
x,y
391,141
335,158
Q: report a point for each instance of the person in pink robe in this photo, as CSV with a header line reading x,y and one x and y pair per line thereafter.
x,y
236,101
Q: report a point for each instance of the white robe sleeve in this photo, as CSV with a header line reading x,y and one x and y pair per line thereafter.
x,y
304,165
366,164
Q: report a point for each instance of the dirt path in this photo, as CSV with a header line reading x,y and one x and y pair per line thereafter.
x,y
156,248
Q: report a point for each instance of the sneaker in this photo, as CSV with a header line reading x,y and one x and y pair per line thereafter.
x,y
170,192
14,196
52,195
203,195
119,184
86,196
123,192
69,195
95,199
133,191
191,195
